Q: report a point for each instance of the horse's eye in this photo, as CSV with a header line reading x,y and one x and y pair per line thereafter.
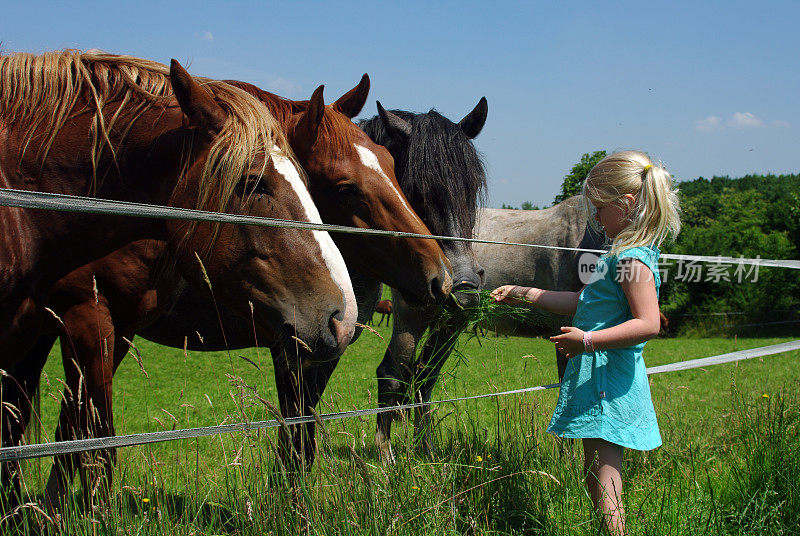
x,y
250,185
347,190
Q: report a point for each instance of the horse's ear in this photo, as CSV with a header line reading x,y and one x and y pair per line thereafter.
x,y
474,121
397,127
350,103
197,103
305,131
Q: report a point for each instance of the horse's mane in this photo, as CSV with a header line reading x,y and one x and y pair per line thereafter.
x,y
336,128
40,93
438,168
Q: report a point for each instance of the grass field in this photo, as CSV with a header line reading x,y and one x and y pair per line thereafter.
x,y
729,463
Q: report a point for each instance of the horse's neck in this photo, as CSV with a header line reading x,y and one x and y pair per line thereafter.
x,y
19,249
143,167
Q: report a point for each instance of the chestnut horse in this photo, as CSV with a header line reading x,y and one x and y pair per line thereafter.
x,y
130,129
384,308
352,181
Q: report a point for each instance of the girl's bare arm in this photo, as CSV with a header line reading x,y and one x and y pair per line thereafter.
x,y
555,301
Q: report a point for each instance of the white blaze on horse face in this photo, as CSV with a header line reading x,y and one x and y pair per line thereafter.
x,y
330,253
370,159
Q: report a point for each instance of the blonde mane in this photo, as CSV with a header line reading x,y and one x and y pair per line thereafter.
x,y
40,93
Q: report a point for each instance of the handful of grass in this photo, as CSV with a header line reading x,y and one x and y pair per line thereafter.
x,y
486,313
452,320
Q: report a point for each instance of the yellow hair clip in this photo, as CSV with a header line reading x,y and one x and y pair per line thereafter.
x,y
648,166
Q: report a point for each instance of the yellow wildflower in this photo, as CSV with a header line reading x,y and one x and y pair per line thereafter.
x,y
145,500
765,395
478,459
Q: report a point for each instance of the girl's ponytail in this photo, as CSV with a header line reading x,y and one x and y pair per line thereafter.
x,y
659,209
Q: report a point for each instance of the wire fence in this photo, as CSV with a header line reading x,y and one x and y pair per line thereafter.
x,y
60,202
23,452
91,205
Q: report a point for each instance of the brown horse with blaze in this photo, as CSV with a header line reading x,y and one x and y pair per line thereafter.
x,y
128,129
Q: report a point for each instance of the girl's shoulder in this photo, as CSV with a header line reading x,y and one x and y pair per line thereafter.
x,y
643,253
648,255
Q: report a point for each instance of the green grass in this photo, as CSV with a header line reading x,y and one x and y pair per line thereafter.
x,y
494,469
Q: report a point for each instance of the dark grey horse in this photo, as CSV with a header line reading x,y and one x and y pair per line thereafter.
x,y
443,177
564,225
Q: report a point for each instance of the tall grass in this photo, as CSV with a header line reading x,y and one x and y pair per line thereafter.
x,y
764,492
493,469
485,476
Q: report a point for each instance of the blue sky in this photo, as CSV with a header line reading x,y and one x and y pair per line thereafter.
x,y
709,88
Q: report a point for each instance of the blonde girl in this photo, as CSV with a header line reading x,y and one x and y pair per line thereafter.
x,y
605,396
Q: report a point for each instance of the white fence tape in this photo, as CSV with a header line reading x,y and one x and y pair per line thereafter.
x,y
727,358
70,203
85,445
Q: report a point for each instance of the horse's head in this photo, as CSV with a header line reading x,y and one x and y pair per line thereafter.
x,y
353,183
293,282
443,177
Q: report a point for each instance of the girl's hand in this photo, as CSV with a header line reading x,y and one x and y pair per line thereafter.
x,y
511,294
570,342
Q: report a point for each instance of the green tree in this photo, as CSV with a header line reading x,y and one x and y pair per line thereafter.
x,y
574,180
752,216
526,205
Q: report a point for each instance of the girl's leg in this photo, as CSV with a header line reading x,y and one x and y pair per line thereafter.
x,y
603,470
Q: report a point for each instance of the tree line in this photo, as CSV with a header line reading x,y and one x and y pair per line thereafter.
x,y
751,216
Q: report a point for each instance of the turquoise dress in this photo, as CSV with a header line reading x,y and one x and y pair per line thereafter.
x,y
605,394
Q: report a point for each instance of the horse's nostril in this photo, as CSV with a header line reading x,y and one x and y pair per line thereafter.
x,y
338,329
333,323
436,287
